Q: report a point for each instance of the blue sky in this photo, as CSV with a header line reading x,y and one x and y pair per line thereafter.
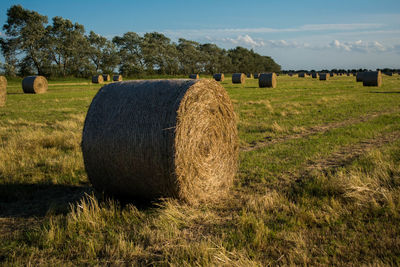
x,y
297,34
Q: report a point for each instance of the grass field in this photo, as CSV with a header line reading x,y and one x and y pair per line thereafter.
x,y
318,183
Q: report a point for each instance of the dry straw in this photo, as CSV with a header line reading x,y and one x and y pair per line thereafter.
x,y
359,76
194,76
106,77
238,78
324,76
97,79
151,139
219,77
267,80
117,78
34,85
372,78
3,90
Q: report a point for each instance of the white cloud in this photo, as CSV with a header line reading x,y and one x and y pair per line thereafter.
x,y
244,40
359,46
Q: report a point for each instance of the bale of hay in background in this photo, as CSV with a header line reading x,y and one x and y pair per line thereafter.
x,y
302,75
34,85
372,78
97,79
3,90
314,75
359,76
117,78
150,139
256,75
267,80
193,76
324,76
249,75
388,73
238,78
219,77
106,77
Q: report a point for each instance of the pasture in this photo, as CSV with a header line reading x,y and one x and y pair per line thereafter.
x,y
318,183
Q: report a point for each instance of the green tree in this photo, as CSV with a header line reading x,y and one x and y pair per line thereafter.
x,y
102,53
130,53
189,56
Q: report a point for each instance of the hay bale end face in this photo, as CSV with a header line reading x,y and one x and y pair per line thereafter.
x,y
219,77
359,76
194,76
238,78
372,78
267,80
97,79
106,77
34,85
149,139
324,76
3,90
117,78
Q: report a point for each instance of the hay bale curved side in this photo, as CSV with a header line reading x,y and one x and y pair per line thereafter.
x,y
267,80
117,78
106,77
238,78
372,78
194,76
314,75
219,77
161,138
34,85
324,76
3,90
97,79
359,76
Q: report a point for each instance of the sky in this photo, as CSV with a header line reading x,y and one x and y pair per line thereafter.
x,y
296,34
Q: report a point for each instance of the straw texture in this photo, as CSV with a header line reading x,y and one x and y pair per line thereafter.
x,y
238,78
372,78
161,138
219,77
324,76
194,76
117,78
34,85
267,80
3,90
97,79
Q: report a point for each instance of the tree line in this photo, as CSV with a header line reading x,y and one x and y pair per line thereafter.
x,y
61,48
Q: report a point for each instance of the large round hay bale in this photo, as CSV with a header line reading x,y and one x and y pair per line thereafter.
x,y
150,139
106,77
97,79
194,76
359,76
117,78
324,76
219,77
314,75
372,78
267,80
3,90
34,85
238,78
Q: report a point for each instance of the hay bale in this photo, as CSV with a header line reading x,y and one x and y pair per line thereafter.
x,y
267,80
388,73
34,85
238,78
97,79
314,75
372,78
249,75
117,78
148,139
302,75
359,76
219,77
194,76
106,77
3,90
256,75
324,76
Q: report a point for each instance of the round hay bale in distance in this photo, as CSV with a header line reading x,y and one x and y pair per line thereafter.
x,y
324,76
267,80
3,90
314,75
238,78
359,76
149,139
106,77
117,78
219,77
249,75
302,75
256,75
97,79
194,76
34,85
372,78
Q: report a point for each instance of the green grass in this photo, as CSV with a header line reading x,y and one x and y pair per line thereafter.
x,y
321,185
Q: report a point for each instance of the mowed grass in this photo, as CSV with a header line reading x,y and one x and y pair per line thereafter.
x,y
318,184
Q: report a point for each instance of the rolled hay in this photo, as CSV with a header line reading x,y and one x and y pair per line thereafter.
x,y
372,78
106,77
324,76
3,90
34,85
249,75
150,139
302,75
267,80
388,73
97,79
238,78
359,76
314,75
219,77
117,78
193,76
256,75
